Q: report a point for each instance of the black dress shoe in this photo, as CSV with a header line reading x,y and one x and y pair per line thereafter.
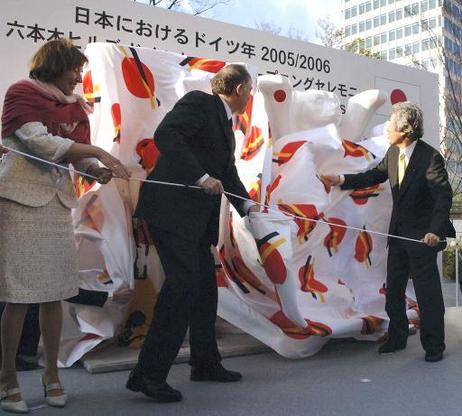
x,y
433,356
214,373
391,346
160,392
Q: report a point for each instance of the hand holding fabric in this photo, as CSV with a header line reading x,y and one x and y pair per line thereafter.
x,y
114,164
103,175
253,208
332,180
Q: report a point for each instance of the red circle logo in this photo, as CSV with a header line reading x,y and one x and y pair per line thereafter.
x,y
280,96
397,96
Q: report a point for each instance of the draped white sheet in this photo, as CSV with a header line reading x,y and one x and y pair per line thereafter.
x,y
293,284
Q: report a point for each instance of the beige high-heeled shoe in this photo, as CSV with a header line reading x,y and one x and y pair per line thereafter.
x,y
54,401
10,406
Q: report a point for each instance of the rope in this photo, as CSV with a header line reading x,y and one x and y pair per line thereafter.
x,y
269,208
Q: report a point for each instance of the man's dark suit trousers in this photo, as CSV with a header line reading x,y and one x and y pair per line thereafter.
x,y
188,298
423,270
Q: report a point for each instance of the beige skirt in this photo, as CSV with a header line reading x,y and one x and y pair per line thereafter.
x,y
38,260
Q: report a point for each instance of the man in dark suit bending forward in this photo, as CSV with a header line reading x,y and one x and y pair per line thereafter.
x,y
422,198
196,145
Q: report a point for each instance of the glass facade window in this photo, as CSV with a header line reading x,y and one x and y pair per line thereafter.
x,y
383,19
408,30
362,8
399,52
383,54
399,14
407,50
447,43
430,64
391,16
368,24
392,35
411,9
354,11
354,29
432,23
416,47
368,42
383,37
456,12
362,27
376,21
347,31
424,6
425,45
391,54
399,33
376,40
391,1
447,24
415,28
452,47
347,14
383,3
376,4
457,49
368,6
431,4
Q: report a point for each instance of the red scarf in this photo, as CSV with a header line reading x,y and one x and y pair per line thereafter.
x,y
31,100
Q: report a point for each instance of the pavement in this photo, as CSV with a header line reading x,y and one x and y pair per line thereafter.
x,y
345,378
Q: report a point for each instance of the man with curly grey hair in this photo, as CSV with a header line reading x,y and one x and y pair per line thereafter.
x,y
422,198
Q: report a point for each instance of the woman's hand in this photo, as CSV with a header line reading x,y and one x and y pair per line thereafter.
x,y
102,175
118,170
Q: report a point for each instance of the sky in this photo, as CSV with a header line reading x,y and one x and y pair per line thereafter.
x,y
300,16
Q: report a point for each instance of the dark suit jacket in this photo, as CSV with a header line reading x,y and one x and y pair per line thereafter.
x,y
194,138
421,205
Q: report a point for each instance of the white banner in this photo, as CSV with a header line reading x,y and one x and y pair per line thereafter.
x,y
26,24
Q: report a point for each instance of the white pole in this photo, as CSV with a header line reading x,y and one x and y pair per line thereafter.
x,y
457,276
